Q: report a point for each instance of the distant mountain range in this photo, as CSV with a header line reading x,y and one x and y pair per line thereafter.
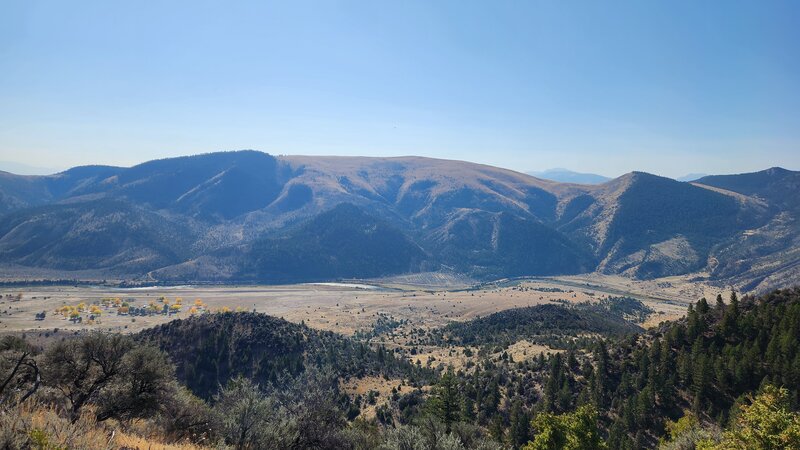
x,y
568,176
24,169
692,177
251,217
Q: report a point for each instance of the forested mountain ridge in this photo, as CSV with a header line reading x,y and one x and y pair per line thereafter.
x,y
473,219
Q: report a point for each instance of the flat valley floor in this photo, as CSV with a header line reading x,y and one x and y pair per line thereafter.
x,y
340,307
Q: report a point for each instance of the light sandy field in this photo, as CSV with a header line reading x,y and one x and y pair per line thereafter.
x,y
345,308
681,288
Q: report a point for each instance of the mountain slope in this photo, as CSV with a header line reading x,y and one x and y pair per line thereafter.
x,y
768,254
248,215
677,221
19,192
777,186
101,234
497,245
344,242
647,226
424,191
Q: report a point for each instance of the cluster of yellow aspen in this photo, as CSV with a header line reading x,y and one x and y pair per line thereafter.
x,y
74,312
122,307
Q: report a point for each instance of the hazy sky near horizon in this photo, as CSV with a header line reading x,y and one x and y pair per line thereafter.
x,y
606,87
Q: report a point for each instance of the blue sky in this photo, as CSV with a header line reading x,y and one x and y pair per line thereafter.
x,y
666,87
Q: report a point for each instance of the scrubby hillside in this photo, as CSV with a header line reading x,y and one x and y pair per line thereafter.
x,y
545,324
211,349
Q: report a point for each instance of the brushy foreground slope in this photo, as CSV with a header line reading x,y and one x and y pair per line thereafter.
x,y
723,377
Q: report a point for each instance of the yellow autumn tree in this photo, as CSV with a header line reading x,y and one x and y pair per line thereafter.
x,y
767,423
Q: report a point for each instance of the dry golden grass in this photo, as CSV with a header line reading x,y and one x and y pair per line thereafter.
x,y
131,441
34,425
383,388
341,308
524,350
443,356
